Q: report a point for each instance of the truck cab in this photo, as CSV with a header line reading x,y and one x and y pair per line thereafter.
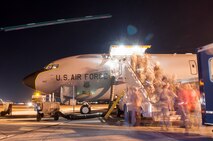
x,y
205,68
5,108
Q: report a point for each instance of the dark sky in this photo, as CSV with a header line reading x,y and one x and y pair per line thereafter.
x,y
169,26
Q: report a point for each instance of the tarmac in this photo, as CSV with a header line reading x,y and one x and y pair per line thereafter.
x,y
19,128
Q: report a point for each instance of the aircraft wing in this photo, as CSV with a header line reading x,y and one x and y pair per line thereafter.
x,y
54,22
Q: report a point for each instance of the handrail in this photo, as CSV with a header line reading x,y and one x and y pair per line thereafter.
x,y
135,75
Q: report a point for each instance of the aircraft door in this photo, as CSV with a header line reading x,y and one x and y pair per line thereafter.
x,y
193,67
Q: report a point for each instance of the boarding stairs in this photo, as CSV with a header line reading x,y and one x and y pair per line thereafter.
x,y
150,109
133,80
125,71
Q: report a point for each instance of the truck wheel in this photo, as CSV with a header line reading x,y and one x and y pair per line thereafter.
x,y
85,109
3,113
38,117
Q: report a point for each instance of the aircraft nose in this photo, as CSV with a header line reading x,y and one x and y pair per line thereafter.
x,y
30,79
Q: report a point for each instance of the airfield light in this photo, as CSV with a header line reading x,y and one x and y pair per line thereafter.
x,y
37,94
201,83
29,104
127,50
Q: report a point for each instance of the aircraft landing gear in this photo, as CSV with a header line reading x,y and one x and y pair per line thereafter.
x,y
39,112
85,108
38,117
56,116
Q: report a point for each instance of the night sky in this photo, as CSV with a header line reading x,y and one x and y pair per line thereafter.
x,y
173,26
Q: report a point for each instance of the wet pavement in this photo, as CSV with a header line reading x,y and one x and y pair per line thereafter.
x,y
18,129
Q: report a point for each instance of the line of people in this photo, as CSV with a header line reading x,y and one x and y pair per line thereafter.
x,y
133,106
166,93
189,105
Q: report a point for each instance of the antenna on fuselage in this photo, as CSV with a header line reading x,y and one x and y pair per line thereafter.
x,y
54,22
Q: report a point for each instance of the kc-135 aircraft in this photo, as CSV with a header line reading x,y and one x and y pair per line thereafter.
x,y
89,74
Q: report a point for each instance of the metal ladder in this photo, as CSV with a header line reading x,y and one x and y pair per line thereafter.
x,y
113,106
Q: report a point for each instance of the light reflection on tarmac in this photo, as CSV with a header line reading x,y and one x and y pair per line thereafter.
x,y
20,110
19,129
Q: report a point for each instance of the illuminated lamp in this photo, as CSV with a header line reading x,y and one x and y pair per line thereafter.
x,y
201,83
37,94
127,50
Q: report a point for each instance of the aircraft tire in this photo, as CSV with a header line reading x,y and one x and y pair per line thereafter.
x,y
85,109
56,117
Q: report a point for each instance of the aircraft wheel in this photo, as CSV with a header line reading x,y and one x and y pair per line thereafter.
x,y
56,117
85,109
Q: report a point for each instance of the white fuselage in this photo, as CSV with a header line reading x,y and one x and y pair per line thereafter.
x,y
90,74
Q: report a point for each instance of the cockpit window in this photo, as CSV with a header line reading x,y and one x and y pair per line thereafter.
x,y
51,66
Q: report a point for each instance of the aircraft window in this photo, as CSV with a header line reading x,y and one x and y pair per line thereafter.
x,y
48,67
51,66
211,69
54,66
193,67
